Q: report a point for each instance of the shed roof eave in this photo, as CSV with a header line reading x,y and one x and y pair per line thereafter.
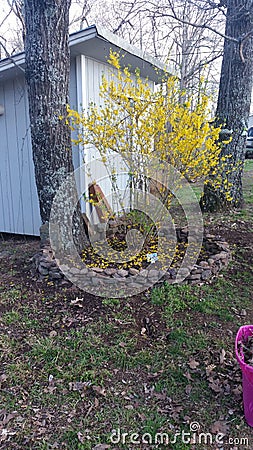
x,y
79,40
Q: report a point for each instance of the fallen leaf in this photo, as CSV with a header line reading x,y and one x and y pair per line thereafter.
x,y
53,333
101,447
219,427
148,390
77,302
152,376
99,390
161,395
188,376
193,364
142,416
188,389
3,378
215,386
222,356
81,437
237,391
51,379
209,369
3,435
9,417
78,385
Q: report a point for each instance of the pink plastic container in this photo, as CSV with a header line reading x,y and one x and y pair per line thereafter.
x,y
247,373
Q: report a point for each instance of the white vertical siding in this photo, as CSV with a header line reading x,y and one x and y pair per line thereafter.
x,y
94,71
19,205
19,208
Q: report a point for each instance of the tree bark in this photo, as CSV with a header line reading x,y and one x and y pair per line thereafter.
x,y
47,77
233,106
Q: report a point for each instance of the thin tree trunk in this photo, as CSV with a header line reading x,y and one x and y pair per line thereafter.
x,y
233,105
47,77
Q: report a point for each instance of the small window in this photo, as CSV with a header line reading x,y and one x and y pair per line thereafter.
x,y
250,132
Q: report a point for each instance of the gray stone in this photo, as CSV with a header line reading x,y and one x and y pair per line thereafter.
x,y
221,255
206,275
215,269
116,275
203,264
143,273
43,270
133,271
110,271
193,281
154,274
223,246
210,236
196,271
167,276
122,272
55,275
74,270
98,270
196,276
184,271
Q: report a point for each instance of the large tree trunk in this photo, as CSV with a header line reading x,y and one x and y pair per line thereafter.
x,y
47,76
233,105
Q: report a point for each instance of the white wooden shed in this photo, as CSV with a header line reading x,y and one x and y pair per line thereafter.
x,y
89,49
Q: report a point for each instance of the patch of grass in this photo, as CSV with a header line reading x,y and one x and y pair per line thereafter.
x,y
139,382
10,317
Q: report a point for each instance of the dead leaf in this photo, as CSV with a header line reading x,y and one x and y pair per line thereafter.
x,y
209,369
53,333
3,378
143,331
188,376
222,356
81,437
161,395
152,376
79,385
101,447
148,390
193,364
142,416
99,390
77,302
215,386
129,407
188,389
9,417
237,391
3,435
219,427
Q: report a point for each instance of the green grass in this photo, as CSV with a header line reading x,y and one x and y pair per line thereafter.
x,y
133,380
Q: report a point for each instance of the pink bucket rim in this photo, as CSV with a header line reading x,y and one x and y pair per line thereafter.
x,y
245,330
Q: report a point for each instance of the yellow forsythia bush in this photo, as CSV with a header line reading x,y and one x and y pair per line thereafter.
x,y
134,118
